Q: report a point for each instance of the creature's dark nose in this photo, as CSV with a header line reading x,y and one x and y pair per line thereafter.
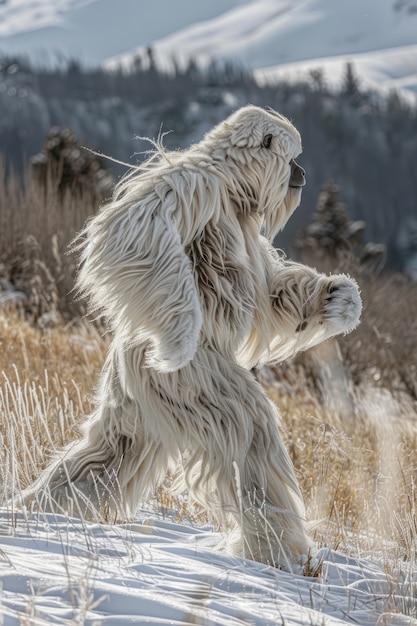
x,y
298,175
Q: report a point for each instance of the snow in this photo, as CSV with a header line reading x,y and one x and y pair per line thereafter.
x,y
290,37
271,37
384,70
56,570
21,15
266,32
92,30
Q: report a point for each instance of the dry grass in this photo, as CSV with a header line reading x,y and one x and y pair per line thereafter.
x,y
37,222
357,468
357,472
357,475
47,379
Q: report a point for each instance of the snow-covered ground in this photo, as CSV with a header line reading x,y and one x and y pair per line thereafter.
x,y
56,570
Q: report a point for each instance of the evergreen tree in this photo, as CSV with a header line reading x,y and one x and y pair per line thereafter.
x,y
333,235
350,88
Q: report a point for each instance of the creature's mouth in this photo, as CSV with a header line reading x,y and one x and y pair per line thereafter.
x,y
297,186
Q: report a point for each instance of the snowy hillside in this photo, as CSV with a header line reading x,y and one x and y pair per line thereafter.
x,y
262,33
26,15
92,30
275,34
379,36
56,570
395,68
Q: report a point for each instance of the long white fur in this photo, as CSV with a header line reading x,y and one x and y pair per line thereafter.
x,y
196,297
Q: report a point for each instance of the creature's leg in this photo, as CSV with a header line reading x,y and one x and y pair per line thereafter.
x,y
236,464
114,466
274,523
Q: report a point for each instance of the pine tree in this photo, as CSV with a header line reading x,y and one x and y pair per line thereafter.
x,y
331,231
333,235
350,89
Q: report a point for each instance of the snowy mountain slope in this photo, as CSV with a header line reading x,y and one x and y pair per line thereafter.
x,y
260,34
25,15
274,33
92,30
56,570
395,68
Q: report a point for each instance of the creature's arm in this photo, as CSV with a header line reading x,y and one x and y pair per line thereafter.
x,y
135,271
307,307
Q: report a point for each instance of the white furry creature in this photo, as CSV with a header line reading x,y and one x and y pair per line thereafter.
x,y
195,297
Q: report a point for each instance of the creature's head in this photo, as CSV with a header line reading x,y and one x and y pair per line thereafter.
x,y
257,148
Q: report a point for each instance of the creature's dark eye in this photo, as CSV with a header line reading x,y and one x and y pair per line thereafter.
x,y
267,141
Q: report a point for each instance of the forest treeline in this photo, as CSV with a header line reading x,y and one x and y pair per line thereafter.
x,y
364,142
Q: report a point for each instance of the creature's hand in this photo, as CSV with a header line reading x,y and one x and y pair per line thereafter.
x,y
343,305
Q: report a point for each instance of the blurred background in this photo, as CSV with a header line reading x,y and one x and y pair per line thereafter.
x,y
102,73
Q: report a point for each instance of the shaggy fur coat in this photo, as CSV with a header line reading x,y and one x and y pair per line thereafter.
x,y
181,265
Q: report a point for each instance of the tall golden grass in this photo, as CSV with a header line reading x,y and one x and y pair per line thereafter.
x,y
357,466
